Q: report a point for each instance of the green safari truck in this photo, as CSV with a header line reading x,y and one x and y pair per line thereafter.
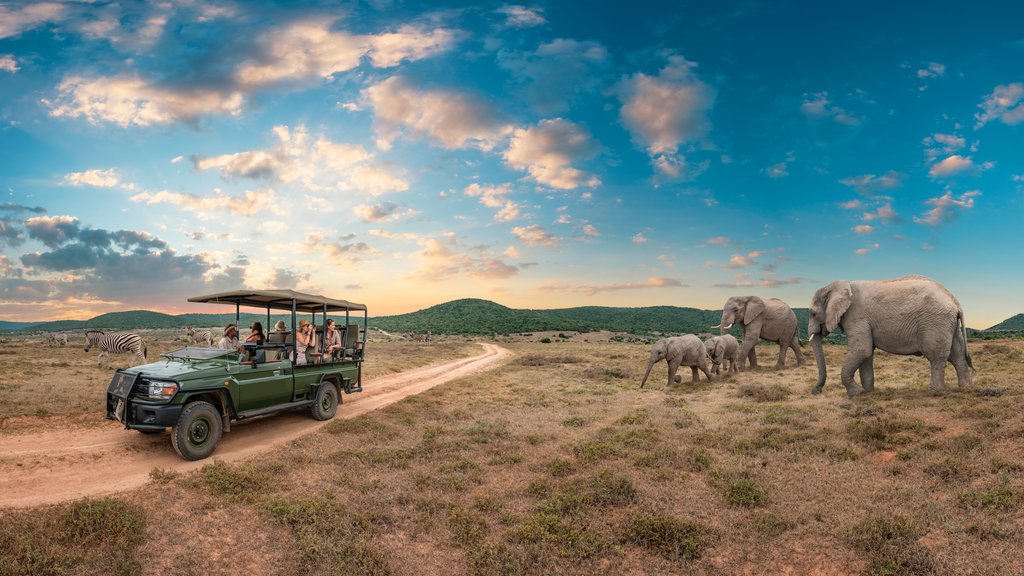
x,y
199,391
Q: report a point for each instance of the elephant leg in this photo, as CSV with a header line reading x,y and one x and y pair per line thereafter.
x,y
867,374
958,358
673,367
855,358
693,374
795,345
938,374
781,362
749,354
703,369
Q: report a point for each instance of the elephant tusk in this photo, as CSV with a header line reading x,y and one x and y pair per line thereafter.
x,y
717,326
729,326
812,337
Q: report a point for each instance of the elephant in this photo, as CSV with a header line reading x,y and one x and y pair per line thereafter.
x,y
723,348
770,319
685,350
911,315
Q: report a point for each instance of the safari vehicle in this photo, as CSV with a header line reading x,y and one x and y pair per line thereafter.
x,y
200,391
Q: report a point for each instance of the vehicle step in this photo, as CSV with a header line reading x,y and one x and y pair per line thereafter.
x,y
272,409
351,389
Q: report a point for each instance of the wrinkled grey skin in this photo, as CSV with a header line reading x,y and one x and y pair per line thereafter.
x,y
686,350
722,349
770,319
912,315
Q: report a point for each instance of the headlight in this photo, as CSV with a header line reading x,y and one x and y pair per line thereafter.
x,y
161,389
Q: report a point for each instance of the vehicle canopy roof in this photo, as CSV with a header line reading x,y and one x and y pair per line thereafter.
x,y
279,300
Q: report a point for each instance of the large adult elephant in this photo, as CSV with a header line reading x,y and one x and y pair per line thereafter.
x,y
685,350
770,319
909,315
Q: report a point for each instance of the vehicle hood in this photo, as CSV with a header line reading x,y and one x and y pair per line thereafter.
x,y
181,369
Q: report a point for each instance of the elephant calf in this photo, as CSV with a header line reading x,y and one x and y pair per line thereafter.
x,y
721,349
912,315
686,350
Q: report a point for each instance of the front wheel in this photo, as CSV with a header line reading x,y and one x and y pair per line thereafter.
x,y
197,432
326,403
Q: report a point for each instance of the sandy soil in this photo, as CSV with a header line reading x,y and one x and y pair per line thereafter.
x,y
74,462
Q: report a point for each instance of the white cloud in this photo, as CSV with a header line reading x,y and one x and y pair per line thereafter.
x,y
777,170
817,105
884,213
869,184
742,261
493,197
956,164
99,179
15,20
443,257
307,50
744,281
933,70
866,249
719,241
8,63
591,231
590,290
943,207
535,235
639,238
511,252
449,118
249,203
943,145
129,100
662,112
548,150
1004,103
508,212
521,16
384,212
376,180
864,229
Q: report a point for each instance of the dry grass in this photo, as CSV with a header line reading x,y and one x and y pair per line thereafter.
x,y
557,462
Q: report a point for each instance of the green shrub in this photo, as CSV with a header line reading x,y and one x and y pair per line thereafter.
x,y
744,492
670,537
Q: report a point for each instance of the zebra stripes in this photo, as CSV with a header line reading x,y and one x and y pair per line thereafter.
x,y
198,335
118,343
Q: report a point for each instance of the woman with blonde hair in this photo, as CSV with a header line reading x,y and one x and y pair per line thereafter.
x,y
305,341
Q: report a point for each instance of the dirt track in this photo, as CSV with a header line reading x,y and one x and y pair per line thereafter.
x,y
68,464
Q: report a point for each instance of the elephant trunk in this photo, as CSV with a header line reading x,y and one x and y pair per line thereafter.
x,y
819,358
650,365
725,328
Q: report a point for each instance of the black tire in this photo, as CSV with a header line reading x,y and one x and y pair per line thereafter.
x,y
197,432
326,403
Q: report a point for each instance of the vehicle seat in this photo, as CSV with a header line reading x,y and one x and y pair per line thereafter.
x,y
352,344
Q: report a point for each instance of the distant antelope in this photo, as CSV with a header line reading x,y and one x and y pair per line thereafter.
x,y
118,343
198,335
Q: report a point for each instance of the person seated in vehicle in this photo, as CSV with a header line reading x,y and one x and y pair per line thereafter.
x,y
255,338
332,340
230,339
305,342
280,327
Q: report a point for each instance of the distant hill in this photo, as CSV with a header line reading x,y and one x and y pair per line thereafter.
x,y
134,319
475,316
11,326
1015,323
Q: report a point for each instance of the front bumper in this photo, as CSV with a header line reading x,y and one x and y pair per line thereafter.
x,y
135,413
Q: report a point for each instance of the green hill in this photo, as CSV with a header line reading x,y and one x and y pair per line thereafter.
x,y
6,326
1015,323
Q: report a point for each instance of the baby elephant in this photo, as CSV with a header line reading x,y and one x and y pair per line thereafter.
x,y
686,350
721,349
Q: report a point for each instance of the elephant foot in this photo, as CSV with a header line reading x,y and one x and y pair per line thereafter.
x,y
816,390
851,392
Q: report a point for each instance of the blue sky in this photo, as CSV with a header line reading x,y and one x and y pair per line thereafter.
x,y
540,155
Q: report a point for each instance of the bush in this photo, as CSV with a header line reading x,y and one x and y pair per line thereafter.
x,y
745,493
668,536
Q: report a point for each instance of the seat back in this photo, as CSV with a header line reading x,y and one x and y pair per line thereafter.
x,y
351,342
279,337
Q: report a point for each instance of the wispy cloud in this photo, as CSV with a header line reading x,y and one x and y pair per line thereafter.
x,y
1004,104
535,235
943,207
743,260
590,290
249,203
932,70
384,212
818,106
869,184
8,63
665,111
957,165
17,19
868,248
517,16
99,178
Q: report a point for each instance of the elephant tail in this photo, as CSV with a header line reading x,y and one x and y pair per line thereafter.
x,y
963,334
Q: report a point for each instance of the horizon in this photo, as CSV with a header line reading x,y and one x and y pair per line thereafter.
x,y
535,155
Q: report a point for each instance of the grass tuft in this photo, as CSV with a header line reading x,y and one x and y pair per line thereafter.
x,y
763,393
744,493
670,537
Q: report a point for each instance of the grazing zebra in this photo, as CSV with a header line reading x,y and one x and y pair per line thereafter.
x,y
60,339
118,342
198,335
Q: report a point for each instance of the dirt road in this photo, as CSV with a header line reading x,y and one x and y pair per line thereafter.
x,y
67,464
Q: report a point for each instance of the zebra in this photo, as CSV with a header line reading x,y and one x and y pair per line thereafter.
x,y
198,335
118,342
59,339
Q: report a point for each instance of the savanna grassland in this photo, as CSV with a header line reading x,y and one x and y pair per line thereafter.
x,y
557,463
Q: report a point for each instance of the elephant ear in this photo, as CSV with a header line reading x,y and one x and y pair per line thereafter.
x,y
755,307
840,295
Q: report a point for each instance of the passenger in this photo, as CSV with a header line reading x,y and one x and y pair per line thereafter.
x,y
257,337
279,327
332,340
305,340
230,339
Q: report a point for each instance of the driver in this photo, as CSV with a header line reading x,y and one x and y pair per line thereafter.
x,y
230,339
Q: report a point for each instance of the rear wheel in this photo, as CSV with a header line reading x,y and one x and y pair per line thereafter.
x,y
197,432
326,403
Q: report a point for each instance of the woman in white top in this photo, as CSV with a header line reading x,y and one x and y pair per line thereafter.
x,y
332,340
305,340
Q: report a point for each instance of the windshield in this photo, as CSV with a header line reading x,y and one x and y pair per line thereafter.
x,y
199,353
